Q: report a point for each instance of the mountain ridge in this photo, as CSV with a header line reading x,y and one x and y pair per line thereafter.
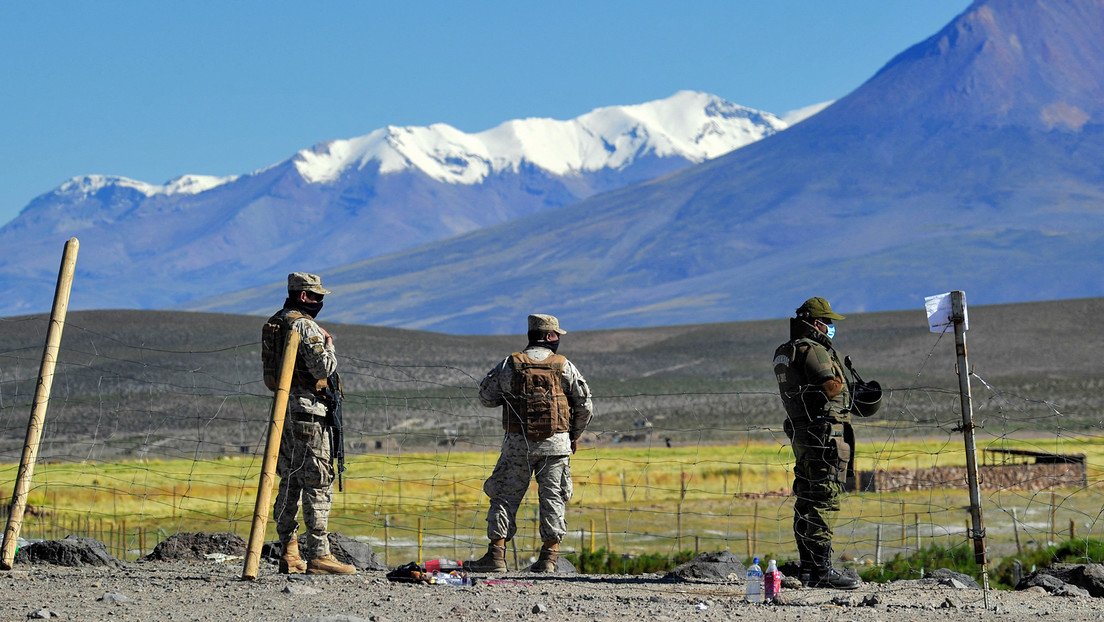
x,y
148,245
896,191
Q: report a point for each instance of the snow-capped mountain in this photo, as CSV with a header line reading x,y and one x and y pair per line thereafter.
x,y
152,246
186,184
971,161
690,126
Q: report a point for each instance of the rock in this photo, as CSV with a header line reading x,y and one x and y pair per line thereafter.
x,y
1072,591
355,552
300,590
871,600
944,576
113,597
1048,582
564,566
709,567
791,583
955,583
1090,577
43,614
540,608
196,546
842,601
948,604
72,551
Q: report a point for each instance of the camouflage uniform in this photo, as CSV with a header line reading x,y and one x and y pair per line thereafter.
x,y
304,464
820,432
521,459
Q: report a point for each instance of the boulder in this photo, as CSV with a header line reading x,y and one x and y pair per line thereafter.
x,y
945,576
196,546
719,566
1088,577
72,551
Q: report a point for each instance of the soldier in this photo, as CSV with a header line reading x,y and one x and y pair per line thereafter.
x,y
305,463
545,409
815,393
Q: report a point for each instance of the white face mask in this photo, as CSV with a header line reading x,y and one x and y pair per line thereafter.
x,y
831,332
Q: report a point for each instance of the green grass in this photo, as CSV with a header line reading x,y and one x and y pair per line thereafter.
x,y
632,500
960,558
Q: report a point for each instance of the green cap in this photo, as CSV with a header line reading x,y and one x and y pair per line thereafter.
x,y
817,307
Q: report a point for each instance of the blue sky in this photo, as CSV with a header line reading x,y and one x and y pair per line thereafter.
x,y
153,90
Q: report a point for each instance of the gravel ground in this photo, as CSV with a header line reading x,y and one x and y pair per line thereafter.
x,y
214,591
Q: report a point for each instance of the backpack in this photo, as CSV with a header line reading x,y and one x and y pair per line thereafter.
x,y
537,405
273,340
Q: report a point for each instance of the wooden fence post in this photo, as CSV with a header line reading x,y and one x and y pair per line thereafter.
x,y
37,420
1016,532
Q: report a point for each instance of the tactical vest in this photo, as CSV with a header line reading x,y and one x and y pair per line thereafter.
x,y
537,405
273,340
806,403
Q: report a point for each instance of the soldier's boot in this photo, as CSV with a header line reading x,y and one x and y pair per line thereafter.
x,y
290,560
328,564
546,561
831,578
494,560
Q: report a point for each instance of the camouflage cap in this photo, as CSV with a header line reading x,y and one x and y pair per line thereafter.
x,y
306,282
546,323
817,307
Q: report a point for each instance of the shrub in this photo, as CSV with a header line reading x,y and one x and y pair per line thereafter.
x,y
1004,575
602,561
957,558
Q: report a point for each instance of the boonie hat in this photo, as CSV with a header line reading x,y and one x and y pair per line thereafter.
x,y
306,282
542,322
817,307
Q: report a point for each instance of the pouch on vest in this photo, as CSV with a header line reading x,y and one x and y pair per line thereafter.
x,y
538,405
838,454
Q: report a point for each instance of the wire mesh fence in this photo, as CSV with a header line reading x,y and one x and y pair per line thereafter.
x,y
151,436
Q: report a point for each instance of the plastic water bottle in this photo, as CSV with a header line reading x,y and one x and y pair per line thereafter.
x,y
772,582
755,582
454,578
442,565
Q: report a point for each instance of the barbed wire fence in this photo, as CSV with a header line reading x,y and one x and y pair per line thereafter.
x,y
148,439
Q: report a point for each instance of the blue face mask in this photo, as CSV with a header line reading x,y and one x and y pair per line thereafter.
x,y
831,331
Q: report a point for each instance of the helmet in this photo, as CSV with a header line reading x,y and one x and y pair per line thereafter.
x,y
866,398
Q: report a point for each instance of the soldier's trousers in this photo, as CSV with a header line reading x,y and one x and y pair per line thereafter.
x,y
306,475
820,467
507,486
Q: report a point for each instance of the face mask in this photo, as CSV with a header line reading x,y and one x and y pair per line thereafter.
x,y
831,333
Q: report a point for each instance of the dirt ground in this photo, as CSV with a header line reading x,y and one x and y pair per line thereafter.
x,y
215,591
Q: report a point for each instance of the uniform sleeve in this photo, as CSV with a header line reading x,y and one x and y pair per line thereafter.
x,y
578,397
319,357
492,388
818,366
